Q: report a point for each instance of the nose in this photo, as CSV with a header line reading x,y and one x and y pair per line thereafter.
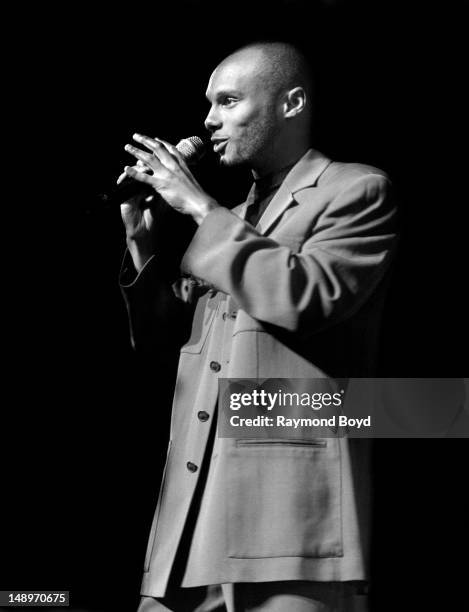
x,y
212,121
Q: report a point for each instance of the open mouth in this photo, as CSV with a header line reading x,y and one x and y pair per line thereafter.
x,y
219,146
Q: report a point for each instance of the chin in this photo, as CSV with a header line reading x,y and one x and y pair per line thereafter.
x,y
231,161
226,160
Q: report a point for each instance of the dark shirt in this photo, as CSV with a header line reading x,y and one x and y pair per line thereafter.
x,y
264,190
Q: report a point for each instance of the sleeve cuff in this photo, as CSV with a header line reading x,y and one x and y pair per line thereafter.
x,y
128,275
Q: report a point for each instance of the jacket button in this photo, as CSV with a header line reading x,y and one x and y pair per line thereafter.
x,y
215,366
191,466
229,315
203,416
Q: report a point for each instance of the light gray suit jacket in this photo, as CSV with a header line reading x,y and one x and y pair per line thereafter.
x,y
299,296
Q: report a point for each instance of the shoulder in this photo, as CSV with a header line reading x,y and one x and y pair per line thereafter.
x,y
359,191
341,176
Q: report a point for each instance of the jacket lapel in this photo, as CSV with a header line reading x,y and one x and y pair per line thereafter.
x,y
303,175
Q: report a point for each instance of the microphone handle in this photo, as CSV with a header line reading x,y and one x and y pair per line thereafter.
x,y
127,188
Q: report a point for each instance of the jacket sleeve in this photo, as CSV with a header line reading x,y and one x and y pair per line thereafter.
x,y
159,311
343,258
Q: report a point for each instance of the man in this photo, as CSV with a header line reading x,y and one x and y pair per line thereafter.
x,y
290,285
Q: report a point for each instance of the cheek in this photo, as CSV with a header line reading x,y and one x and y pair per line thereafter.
x,y
257,132
249,131
246,119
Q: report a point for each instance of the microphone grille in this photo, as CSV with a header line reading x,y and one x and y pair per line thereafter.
x,y
192,148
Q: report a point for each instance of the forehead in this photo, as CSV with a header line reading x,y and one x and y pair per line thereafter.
x,y
241,73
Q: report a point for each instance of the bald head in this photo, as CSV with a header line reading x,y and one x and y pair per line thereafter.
x,y
260,105
278,66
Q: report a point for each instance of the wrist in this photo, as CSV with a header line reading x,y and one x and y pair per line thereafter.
x,y
204,209
137,244
140,250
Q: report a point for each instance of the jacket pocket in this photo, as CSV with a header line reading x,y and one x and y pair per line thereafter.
x,y
284,499
273,442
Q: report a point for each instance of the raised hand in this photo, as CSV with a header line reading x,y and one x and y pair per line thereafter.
x,y
168,173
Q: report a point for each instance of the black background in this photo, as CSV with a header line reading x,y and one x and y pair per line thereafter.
x,y
84,423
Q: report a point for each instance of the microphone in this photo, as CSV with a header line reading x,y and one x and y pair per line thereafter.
x,y
192,149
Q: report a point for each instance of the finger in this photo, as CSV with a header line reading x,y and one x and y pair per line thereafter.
x,y
169,147
175,151
141,164
146,158
140,167
146,141
139,176
121,178
160,149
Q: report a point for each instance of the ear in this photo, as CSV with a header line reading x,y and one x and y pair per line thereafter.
x,y
295,102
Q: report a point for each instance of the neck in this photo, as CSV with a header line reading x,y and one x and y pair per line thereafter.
x,y
280,158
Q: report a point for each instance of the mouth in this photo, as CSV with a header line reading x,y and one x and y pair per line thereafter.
x,y
219,145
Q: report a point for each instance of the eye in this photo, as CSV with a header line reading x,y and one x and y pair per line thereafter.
x,y
229,101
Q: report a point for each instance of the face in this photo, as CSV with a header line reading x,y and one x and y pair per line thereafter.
x,y
244,115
